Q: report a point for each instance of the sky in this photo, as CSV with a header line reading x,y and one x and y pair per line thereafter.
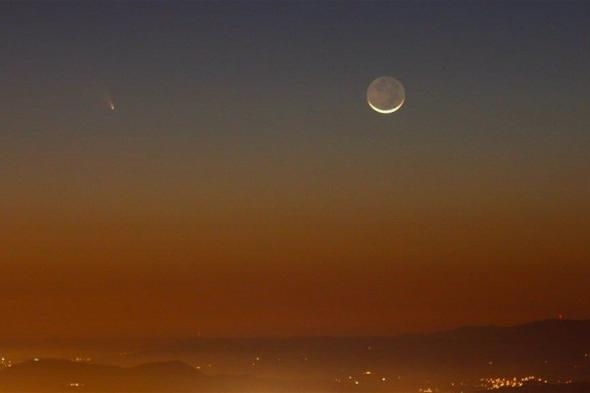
x,y
243,187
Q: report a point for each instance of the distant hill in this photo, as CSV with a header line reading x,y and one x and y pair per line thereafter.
x,y
554,349
63,376
551,347
542,342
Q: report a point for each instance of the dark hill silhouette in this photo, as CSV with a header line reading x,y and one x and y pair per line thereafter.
x,y
551,347
554,349
53,375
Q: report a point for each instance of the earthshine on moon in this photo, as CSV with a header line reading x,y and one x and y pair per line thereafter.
x,y
386,94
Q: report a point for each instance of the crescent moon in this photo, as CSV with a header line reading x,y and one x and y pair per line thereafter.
x,y
386,95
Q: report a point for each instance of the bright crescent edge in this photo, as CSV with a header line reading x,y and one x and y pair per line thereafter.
x,y
387,110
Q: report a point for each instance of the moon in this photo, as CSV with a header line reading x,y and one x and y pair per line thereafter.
x,y
386,95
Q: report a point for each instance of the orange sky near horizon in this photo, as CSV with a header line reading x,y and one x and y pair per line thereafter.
x,y
148,255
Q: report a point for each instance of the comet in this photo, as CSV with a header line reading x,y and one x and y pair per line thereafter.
x,y
109,99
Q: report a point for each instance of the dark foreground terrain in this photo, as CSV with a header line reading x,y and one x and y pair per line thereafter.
x,y
554,353
63,376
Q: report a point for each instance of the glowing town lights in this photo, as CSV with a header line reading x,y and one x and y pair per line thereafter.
x,y
498,383
5,363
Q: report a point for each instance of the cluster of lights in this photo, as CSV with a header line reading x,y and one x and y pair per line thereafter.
x,y
82,360
514,382
198,367
257,359
356,380
5,363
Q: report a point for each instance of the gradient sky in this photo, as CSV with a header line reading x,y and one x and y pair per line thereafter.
x,y
243,187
